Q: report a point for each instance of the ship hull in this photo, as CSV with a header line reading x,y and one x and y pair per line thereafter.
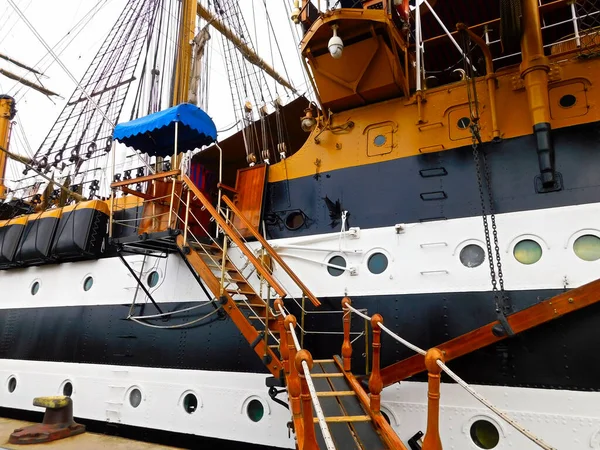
x,y
544,377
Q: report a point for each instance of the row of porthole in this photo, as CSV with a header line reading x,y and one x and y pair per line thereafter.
x,y
254,409
483,432
527,251
377,263
88,282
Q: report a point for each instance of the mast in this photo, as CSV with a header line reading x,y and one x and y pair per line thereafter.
x,y
187,29
7,113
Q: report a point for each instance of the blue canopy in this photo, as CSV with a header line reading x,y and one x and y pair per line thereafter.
x,y
155,134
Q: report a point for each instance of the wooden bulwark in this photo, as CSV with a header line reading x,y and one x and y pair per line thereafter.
x,y
523,320
272,252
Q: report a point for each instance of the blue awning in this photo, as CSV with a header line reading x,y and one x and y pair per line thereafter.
x,y
155,134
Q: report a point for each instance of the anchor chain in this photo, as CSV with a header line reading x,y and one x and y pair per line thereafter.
x,y
500,297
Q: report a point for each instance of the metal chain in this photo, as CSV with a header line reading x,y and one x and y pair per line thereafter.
x,y
474,131
474,127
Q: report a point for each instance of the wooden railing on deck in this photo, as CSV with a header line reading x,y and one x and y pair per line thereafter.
x,y
272,252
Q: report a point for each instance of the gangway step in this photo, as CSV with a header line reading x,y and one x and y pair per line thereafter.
x,y
345,419
349,423
335,393
327,375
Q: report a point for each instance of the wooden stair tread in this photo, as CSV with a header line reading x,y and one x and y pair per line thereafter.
x,y
335,393
327,375
345,419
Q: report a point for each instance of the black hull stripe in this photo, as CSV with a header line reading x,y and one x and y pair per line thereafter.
x,y
438,186
554,355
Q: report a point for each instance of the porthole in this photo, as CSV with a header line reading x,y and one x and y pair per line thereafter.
x,y
463,123
527,252
255,410
153,278
587,247
68,389
385,416
12,384
568,100
135,397
472,255
294,221
379,140
485,434
377,263
88,283
190,403
337,261
35,287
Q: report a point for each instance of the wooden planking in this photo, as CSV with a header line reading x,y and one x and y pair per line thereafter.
x,y
386,431
341,432
365,433
250,188
523,320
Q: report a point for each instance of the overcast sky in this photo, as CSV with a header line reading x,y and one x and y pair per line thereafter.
x,y
53,19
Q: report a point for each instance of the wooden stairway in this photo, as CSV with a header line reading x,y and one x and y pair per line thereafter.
x,y
350,421
246,288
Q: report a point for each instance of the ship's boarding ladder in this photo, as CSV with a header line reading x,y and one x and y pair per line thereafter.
x,y
330,410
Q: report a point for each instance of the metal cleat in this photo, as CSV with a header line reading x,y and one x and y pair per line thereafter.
x,y
58,422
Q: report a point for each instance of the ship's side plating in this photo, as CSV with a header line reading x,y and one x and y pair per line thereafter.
x,y
386,186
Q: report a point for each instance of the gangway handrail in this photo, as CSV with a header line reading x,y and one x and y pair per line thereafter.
x,y
234,237
435,353
271,251
311,387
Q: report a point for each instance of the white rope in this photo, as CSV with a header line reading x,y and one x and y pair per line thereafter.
x,y
485,402
313,393
391,333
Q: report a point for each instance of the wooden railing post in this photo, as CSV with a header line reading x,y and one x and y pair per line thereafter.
x,y
310,439
375,383
347,345
294,385
284,351
432,439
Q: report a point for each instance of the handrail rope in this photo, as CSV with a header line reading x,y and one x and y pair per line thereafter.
x,y
463,384
313,392
391,333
